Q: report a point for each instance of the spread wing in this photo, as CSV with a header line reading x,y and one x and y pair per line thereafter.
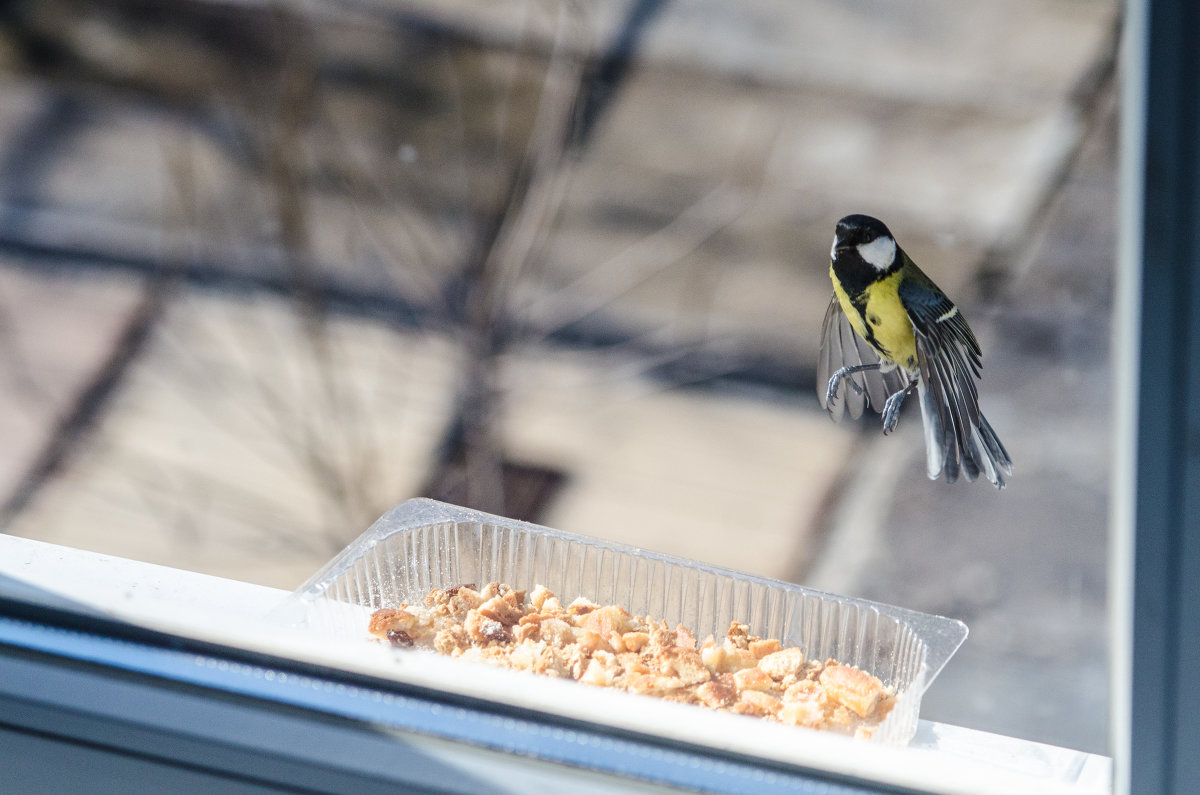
x,y
957,437
841,347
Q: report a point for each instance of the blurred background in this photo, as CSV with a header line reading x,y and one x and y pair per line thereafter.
x,y
268,269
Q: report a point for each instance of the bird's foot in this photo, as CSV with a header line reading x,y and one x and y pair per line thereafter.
x,y
831,391
891,408
891,412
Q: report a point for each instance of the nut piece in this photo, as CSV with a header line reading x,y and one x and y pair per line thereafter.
x,y
653,684
502,609
452,639
557,632
581,606
738,635
757,703
599,671
635,641
718,692
592,642
484,630
753,679
808,711
605,646
387,620
537,597
684,637
780,664
683,664
728,657
851,687
761,648
463,599
604,620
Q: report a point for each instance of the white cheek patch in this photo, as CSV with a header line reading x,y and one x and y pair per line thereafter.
x,y
879,253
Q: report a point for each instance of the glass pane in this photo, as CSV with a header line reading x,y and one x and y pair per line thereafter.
x,y
267,271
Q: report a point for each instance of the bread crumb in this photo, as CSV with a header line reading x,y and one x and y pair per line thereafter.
x,y
605,646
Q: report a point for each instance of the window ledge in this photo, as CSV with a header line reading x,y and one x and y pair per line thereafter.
x,y
228,611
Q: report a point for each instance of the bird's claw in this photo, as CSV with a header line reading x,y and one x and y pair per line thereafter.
x,y
891,411
831,391
891,408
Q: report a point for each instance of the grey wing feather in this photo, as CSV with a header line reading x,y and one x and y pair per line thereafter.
x,y
958,439
842,347
832,358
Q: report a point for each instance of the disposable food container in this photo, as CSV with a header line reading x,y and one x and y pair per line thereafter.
x,y
423,544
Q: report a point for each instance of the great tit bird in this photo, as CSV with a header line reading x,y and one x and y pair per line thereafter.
x,y
890,330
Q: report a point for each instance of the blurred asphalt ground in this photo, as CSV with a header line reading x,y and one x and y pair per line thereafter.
x,y
135,426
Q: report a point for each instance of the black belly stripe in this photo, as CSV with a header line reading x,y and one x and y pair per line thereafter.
x,y
860,305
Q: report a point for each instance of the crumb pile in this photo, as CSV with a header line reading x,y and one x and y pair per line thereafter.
x,y
606,646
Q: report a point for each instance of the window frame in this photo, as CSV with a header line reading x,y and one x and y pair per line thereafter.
x,y
1155,554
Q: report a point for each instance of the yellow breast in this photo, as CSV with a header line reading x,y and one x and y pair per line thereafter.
x,y
883,323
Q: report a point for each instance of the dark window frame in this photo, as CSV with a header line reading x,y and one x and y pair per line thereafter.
x,y
1156,552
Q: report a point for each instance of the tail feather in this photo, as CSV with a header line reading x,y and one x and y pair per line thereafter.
x,y
951,450
935,434
996,456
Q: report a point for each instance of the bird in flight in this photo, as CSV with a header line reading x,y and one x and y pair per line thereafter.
x,y
890,331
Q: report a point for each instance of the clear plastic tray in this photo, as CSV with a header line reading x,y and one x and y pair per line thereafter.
x,y
423,544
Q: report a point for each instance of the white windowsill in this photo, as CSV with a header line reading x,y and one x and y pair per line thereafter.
x,y
950,758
